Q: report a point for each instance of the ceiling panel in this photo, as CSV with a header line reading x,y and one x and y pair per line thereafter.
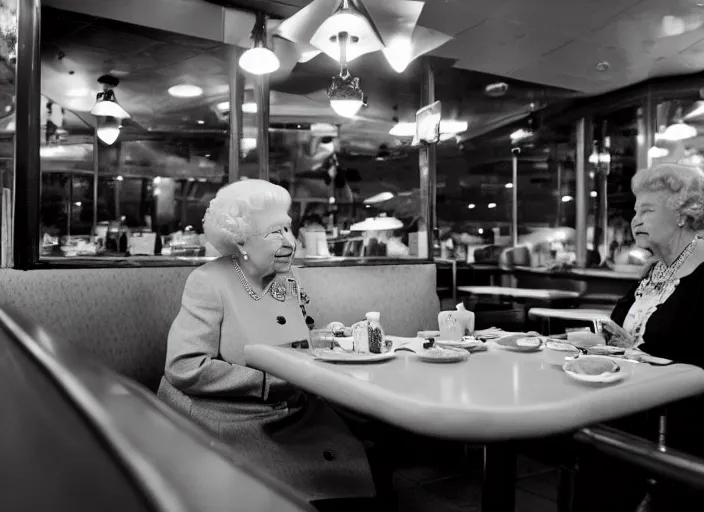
x,y
571,18
455,16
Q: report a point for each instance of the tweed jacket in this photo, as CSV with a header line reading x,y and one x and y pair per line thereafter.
x,y
295,437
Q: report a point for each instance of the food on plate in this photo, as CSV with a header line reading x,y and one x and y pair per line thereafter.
x,y
606,350
557,351
591,366
528,342
439,354
520,341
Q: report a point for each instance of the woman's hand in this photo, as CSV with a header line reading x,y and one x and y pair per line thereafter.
x,y
617,335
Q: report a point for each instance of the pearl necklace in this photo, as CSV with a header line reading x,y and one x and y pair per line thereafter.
x,y
661,275
276,288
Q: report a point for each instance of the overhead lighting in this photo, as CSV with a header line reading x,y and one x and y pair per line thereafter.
x,y
480,231
259,60
520,134
324,129
398,53
447,127
658,152
567,199
105,101
185,91
593,193
379,198
471,206
248,108
200,121
346,97
380,223
696,111
491,205
108,130
308,55
248,144
678,131
351,18
597,158
509,185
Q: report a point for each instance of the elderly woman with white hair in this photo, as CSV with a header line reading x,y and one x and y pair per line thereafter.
x,y
251,295
661,315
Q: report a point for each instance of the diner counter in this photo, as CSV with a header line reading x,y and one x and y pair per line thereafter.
x,y
580,273
492,396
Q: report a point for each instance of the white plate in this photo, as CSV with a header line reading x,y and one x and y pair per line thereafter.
x,y
603,378
338,356
443,355
459,344
520,343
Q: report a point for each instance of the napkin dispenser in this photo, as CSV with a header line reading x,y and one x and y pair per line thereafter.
x,y
455,324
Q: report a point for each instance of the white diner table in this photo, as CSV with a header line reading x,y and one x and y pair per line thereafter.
x,y
492,397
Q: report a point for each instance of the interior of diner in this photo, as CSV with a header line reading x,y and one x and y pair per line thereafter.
x,y
119,123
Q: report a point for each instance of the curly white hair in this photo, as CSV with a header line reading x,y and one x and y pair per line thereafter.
x,y
684,183
228,219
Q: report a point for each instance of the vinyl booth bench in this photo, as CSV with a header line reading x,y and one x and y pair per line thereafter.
x,y
122,316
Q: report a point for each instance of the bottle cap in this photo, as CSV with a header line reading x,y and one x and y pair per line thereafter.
x,y
373,316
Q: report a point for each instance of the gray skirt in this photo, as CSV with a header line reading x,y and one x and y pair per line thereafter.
x,y
301,441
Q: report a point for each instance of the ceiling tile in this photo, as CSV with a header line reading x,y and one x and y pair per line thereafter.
x,y
579,58
484,38
504,58
574,18
455,16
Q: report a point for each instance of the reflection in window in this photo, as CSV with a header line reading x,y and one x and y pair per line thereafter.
x,y
8,56
612,164
143,188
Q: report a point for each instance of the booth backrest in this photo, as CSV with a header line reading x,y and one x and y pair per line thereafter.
x,y
122,316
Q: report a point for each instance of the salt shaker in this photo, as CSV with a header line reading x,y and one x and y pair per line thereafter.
x,y
378,344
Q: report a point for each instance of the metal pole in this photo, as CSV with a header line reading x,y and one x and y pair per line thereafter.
x,y
236,82
96,167
27,164
514,204
582,199
426,162
261,96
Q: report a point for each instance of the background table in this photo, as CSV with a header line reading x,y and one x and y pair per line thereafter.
x,y
586,315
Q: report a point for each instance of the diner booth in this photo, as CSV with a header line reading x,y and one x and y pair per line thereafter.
x,y
101,225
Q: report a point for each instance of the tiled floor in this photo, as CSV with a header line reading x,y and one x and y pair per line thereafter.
x,y
432,488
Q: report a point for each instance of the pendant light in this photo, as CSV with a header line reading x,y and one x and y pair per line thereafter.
x,y
679,130
108,130
350,17
346,97
105,102
259,60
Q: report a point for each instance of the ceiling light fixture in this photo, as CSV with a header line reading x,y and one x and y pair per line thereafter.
x,y
259,60
185,91
105,101
108,130
491,205
696,111
679,131
508,185
447,127
308,55
349,17
346,97
567,199
471,206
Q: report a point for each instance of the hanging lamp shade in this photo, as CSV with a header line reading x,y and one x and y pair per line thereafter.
x,y
381,223
346,97
105,102
259,60
108,130
351,17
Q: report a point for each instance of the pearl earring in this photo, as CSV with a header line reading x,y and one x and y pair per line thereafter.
x,y
245,257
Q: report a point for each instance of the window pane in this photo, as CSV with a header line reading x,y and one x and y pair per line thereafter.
x,y
8,55
138,185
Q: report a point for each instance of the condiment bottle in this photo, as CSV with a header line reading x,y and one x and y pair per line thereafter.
x,y
378,344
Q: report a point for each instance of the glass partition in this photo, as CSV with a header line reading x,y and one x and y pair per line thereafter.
x,y
135,179
8,57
